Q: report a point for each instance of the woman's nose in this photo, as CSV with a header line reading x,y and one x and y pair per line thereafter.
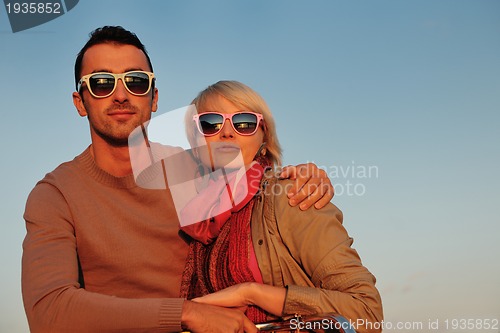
x,y
227,130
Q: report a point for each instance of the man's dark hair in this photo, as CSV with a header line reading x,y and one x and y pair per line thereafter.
x,y
109,34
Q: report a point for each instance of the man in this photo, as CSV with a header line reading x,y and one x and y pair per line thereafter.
x,y
102,254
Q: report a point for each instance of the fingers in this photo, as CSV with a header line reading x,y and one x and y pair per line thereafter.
x,y
328,193
312,186
309,195
202,318
248,326
288,172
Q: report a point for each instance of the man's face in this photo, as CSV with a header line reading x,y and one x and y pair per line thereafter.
x,y
113,118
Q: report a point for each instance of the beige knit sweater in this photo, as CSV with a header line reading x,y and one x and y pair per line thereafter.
x,y
101,254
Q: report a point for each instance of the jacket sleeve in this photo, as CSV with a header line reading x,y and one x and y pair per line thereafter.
x,y
320,245
53,299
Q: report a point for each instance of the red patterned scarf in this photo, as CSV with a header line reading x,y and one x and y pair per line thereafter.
x,y
223,262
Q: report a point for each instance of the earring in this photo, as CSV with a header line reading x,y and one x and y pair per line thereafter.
x,y
201,169
201,177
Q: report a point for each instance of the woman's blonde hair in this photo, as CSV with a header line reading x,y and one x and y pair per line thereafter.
x,y
247,99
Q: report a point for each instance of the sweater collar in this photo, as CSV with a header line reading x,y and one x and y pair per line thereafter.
x,y
87,162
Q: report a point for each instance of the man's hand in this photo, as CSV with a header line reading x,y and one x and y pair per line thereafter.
x,y
201,318
312,186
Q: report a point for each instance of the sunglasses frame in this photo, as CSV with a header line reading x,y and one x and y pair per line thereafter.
x,y
116,76
196,119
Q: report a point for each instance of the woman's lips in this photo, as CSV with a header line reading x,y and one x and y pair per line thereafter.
x,y
224,147
228,149
225,155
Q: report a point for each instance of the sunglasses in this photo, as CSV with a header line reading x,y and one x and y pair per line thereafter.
x,y
103,84
244,123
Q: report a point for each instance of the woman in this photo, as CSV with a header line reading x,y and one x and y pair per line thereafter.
x,y
251,248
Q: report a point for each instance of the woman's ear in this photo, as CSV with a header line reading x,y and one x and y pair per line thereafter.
x,y
262,150
79,105
195,153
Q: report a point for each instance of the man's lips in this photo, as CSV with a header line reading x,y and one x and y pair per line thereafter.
x,y
122,114
122,110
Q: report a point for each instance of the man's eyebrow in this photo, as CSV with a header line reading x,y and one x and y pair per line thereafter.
x,y
100,71
131,69
136,69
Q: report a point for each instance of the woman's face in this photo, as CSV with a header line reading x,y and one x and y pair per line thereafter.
x,y
224,147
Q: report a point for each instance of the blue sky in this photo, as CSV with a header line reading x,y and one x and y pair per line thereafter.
x,y
409,88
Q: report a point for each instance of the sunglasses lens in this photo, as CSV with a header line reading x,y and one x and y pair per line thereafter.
x,y
137,82
210,123
245,123
101,84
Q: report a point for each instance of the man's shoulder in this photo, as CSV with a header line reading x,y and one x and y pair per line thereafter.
x,y
50,188
161,151
63,171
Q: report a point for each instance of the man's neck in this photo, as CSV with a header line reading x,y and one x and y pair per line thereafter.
x,y
114,160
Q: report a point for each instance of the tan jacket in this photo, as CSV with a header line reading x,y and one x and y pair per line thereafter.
x,y
310,252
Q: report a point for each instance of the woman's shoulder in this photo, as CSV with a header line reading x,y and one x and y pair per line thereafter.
x,y
275,191
274,186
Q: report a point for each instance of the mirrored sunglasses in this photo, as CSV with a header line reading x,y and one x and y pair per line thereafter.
x,y
103,84
243,123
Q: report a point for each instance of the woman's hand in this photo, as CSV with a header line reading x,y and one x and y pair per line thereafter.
x,y
232,297
268,298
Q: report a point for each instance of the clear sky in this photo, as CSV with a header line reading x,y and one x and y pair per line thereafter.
x,y
399,101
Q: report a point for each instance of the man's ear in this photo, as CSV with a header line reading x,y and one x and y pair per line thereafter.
x,y
78,102
154,104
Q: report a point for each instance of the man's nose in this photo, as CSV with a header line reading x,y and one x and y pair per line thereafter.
x,y
121,93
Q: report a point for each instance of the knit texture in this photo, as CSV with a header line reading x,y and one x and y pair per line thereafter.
x,y
101,254
224,262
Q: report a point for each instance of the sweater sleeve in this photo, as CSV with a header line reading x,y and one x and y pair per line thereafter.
x,y
53,298
321,246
